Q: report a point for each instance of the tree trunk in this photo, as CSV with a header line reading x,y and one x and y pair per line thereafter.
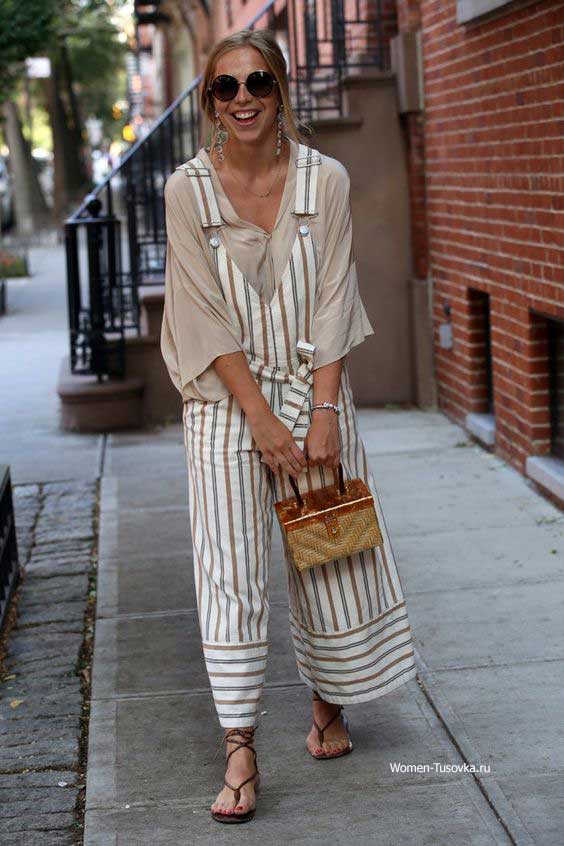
x,y
29,202
70,182
76,126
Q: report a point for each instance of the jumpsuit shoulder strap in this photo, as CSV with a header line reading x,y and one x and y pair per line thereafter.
x,y
307,164
203,189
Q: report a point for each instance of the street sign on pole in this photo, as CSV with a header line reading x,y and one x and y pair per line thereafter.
x,y
38,67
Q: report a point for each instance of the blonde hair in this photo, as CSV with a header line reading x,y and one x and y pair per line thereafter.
x,y
265,42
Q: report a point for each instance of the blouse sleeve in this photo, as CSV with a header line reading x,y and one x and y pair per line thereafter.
x,y
196,326
340,321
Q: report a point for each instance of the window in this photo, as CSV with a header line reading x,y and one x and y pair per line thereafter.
x,y
480,419
480,352
556,358
467,10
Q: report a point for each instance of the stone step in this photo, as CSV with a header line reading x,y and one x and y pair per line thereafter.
x,y
151,299
145,397
88,405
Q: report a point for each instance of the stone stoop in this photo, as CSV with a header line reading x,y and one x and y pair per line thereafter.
x,y
146,397
88,405
151,299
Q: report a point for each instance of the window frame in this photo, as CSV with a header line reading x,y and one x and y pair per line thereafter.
x,y
470,10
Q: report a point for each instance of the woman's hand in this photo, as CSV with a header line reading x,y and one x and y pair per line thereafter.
x,y
273,439
323,443
276,443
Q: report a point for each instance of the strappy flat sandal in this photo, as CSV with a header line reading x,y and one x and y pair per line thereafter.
x,y
247,735
321,731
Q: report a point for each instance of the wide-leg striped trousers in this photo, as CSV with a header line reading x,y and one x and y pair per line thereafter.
x,y
348,618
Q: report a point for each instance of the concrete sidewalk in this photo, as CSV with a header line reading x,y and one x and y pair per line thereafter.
x,y
482,564
34,337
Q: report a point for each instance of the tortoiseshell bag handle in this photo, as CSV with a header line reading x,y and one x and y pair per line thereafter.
x,y
299,498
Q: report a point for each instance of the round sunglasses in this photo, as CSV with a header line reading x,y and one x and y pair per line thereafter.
x,y
225,87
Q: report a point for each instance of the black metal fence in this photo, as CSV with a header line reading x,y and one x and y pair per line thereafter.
x,y
115,242
8,544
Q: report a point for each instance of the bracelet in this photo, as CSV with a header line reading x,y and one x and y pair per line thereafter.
x,y
335,408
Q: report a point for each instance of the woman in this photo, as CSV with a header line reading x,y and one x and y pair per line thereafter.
x,y
261,308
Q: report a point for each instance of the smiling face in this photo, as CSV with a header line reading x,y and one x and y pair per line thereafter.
x,y
239,63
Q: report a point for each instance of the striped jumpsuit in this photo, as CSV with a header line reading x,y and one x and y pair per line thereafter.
x,y
348,618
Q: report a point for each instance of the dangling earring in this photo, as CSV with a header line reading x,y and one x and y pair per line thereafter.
x,y
221,136
280,117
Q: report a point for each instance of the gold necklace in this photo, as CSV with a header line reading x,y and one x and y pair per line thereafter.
x,y
252,192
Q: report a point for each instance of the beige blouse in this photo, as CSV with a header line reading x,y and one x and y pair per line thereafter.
x,y
196,325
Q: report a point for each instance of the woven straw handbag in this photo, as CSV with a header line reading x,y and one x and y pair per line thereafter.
x,y
328,523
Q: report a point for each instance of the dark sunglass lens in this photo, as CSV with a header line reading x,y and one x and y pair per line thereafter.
x,y
224,87
260,83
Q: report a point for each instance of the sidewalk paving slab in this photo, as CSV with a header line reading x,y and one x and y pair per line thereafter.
x,y
34,338
480,559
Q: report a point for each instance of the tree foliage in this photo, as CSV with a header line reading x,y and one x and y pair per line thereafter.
x,y
86,50
38,27
97,59
26,28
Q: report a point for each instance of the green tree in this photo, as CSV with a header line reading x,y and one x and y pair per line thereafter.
x,y
25,28
97,58
86,54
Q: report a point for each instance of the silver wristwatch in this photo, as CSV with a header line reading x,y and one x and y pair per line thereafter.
x,y
326,404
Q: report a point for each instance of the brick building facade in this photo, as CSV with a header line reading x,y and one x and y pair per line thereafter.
x,y
487,171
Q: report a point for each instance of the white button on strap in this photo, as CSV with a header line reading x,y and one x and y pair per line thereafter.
x,y
304,229
214,241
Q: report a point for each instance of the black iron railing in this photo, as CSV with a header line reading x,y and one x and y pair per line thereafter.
x,y
115,242
8,545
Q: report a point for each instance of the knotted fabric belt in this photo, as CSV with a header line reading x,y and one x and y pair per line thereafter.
x,y
300,382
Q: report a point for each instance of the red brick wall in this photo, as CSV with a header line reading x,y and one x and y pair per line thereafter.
x,y
409,15
494,175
